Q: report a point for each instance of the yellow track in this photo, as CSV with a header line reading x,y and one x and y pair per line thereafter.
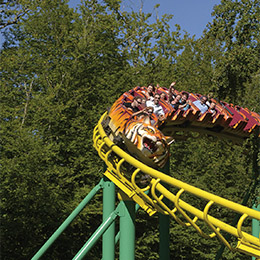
x,y
118,162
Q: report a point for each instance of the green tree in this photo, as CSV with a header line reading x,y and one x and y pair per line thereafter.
x,y
234,32
60,71
57,68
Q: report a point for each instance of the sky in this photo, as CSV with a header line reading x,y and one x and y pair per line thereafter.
x,y
191,15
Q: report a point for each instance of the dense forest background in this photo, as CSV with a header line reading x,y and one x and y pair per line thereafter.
x,y
61,69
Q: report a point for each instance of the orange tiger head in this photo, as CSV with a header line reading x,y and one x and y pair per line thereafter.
x,y
151,144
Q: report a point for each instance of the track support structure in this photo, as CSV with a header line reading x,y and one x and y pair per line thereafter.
x,y
164,226
256,223
108,242
127,228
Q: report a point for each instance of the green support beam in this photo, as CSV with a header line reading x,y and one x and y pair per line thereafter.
x,y
108,242
164,235
96,235
68,220
127,229
164,227
256,172
256,224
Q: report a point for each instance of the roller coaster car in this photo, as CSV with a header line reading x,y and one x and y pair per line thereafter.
x,y
140,138
150,144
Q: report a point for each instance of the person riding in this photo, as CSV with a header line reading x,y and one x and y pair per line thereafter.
x,y
134,106
212,108
158,110
184,102
172,91
201,104
176,102
149,92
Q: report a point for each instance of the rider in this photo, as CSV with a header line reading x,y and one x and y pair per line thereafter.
x,y
158,110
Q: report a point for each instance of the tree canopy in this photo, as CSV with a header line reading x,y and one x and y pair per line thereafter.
x,y
61,69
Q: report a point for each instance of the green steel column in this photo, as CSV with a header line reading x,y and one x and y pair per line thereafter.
x,y
256,223
136,209
96,235
164,224
256,172
68,220
108,242
127,229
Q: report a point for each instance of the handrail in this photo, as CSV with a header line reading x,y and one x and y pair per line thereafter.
x,y
177,183
117,157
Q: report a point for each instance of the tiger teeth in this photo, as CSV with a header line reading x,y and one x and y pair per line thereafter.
x,y
150,145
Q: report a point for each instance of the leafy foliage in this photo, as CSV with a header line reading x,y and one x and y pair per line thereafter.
x,y
61,69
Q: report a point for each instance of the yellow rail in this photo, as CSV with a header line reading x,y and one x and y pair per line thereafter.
x,y
124,171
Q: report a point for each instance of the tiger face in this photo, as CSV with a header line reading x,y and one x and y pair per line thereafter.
x,y
147,143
